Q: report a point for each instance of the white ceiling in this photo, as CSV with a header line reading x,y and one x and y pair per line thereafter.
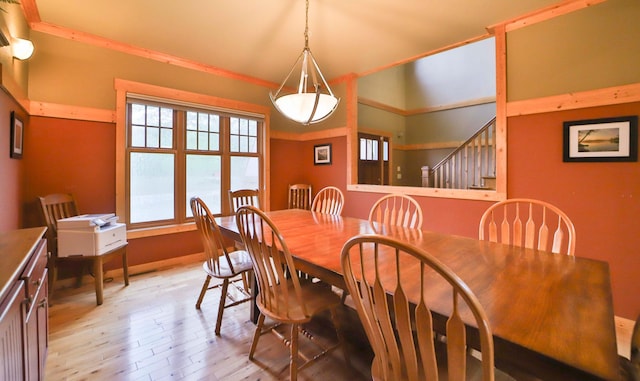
x,y
263,38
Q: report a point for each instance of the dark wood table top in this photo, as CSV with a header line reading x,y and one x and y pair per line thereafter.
x,y
550,314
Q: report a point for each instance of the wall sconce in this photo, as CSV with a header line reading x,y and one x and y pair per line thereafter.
x,y
22,49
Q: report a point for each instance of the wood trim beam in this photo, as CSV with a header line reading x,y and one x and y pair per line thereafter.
x,y
308,136
425,110
54,110
424,146
544,14
590,98
105,43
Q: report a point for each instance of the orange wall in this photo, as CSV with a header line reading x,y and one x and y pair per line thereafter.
x,y
292,163
602,199
11,170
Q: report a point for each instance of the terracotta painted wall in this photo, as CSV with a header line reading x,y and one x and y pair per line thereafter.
x,y
78,157
292,163
602,199
11,170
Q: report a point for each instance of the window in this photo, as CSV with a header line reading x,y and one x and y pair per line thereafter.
x,y
175,152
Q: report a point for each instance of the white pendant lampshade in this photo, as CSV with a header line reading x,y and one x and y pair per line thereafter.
x,y
312,100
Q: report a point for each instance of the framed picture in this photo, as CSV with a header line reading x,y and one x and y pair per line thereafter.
x,y
322,154
607,139
17,136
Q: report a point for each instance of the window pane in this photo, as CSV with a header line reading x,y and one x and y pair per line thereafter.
x,y
153,137
153,116
151,187
204,181
245,172
374,149
137,136
166,117
166,138
385,150
192,121
138,114
192,140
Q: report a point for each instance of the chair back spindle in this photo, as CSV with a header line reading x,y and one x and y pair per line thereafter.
x,y
330,200
528,223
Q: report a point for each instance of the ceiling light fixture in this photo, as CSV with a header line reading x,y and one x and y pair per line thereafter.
x,y
22,49
313,102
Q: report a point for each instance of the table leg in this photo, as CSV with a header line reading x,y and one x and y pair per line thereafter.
x,y
99,278
125,267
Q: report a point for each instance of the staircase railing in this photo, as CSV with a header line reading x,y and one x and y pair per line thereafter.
x,y
470,164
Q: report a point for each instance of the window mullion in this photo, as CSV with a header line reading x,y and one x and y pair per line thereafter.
x,y
181,171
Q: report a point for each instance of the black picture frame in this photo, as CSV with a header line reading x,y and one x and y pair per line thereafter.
x,y
322,154
17,137
601,140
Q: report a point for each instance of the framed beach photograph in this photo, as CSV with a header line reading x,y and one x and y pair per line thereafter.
x,y
322,154
607,139
17,136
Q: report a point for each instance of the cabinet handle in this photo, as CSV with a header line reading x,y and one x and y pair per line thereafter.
x,y
43,303
37,282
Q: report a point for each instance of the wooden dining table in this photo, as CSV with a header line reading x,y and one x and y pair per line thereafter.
x,y
551,315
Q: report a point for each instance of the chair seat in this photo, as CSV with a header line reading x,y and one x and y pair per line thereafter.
x,y
317,296
240,260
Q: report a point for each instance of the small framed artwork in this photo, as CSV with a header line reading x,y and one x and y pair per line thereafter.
x,y
17,136
322,154
607,139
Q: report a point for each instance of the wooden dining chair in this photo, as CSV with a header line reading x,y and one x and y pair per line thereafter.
x,y
241,197
400,325
282,296
397,210
329,200
528,223
54,207
299,196
219,262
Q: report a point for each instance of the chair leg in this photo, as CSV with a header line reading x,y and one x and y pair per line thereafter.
x,y
256,335
293,363
223,299
205,287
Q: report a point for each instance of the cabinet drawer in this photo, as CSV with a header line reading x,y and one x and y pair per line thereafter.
x,y
33,274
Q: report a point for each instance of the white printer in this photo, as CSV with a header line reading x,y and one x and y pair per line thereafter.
x,y
90,234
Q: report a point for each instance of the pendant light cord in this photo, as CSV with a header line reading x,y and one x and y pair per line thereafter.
x,y
306,27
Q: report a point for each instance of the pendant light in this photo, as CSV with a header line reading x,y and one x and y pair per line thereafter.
x,y
313,100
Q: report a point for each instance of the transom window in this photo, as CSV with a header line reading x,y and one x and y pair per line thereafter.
x,y
176,152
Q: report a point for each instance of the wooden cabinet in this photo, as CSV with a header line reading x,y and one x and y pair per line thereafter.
x,y
24,323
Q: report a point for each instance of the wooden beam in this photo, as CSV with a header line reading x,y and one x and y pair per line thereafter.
x,y
572,101
105,43
308,136
544,14
54,110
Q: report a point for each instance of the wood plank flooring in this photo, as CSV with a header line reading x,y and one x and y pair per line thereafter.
x,y
151,330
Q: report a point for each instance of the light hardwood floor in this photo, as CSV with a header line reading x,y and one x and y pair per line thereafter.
x,y
151,330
